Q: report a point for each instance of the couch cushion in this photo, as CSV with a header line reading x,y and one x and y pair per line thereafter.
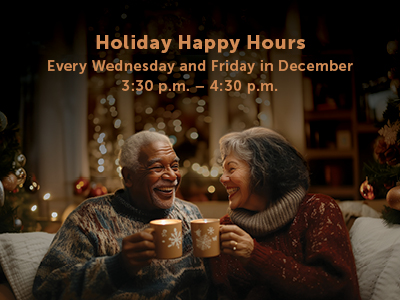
x,y
376,248
20,256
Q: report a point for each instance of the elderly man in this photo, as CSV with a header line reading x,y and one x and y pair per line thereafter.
x,y
105,248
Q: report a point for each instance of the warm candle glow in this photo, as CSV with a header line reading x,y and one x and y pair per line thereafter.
x,y
165,222
210,220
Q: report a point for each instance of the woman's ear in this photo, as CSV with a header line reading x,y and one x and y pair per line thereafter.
x,y
128,176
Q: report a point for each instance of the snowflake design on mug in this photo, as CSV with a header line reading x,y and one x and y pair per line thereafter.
x,y
204,242
176,239
210,230
198,232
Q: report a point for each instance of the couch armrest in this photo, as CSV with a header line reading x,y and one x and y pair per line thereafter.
x,y
20,256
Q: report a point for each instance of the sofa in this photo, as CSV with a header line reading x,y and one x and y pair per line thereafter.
x,y
376,248
20,255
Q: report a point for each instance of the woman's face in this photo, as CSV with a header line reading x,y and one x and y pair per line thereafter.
x,y
236,179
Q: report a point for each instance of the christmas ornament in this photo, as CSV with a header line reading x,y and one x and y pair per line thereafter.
x,y
2,195
21,176
18,223
98,190
367,190
392,47
81,185
10,182
393,197
32,184
3,121
20,160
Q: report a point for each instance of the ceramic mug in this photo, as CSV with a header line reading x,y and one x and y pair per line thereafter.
x,y
205,236
167,238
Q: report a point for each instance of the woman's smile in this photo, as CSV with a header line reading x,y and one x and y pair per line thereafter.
x,y
231,191
236,179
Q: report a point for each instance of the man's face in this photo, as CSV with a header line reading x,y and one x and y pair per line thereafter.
x,y
154,184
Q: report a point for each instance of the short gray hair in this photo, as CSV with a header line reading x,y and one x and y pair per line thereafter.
x,y
276,167
129,153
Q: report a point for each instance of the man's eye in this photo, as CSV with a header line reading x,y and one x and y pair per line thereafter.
x,y
175,167
157,168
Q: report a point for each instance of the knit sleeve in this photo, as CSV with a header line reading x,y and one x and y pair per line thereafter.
x,y
324,267
71,270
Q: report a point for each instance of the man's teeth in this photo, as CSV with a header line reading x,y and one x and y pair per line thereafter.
x,y
232,190
165,189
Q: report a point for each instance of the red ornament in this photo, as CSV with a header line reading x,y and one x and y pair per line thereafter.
x,y
81,185
31,184
10,182
367,190
393,197
98,190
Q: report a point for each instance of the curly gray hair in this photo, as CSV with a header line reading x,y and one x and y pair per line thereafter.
x,y
276,167
129,153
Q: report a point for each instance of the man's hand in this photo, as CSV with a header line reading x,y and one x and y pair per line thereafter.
x,y
138,250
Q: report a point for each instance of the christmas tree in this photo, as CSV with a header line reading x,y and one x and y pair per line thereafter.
x,y
17,211
383,175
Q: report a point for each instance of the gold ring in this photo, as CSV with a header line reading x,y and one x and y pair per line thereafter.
x,y
234,247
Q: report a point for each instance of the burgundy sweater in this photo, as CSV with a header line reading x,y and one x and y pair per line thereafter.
x,y
310,258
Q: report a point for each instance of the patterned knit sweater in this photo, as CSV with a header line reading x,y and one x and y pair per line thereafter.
x,y
309,258
84,260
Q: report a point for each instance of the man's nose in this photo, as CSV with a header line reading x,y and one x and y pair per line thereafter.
x,y
169,174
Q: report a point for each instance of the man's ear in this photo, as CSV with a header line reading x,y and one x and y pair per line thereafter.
x,y
128,176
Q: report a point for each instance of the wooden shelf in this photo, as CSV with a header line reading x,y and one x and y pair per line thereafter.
x,y
328,115
341,192
329,153
366,128
335,172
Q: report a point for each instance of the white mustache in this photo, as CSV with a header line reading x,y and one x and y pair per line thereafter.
x,y
172,185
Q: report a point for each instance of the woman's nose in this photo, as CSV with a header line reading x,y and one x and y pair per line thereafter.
x,y
224,178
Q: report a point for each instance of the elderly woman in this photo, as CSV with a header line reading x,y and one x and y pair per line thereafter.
x,y
277,241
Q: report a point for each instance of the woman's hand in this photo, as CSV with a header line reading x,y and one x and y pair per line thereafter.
x,y
236,242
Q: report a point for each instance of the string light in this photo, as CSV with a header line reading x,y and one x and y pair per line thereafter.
x,y
211,189
149,114
54,216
